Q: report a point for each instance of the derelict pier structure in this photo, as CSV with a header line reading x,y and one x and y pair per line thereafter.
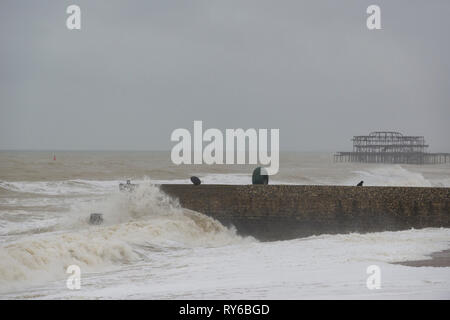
x,y
391,147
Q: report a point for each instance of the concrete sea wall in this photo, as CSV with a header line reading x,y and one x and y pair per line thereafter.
x,y
278,212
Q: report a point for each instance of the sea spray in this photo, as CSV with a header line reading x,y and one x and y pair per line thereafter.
x,y
134,222
394,175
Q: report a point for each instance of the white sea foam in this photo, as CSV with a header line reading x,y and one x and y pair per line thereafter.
x,y
133,221
326,266
149,247
394,175
68,187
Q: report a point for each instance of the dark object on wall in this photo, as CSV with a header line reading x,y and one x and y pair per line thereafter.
x,y
127,186
196,181
259,176
96,218
360,184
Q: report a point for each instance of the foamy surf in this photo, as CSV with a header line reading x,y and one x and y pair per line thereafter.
x,y
319,267
65,187
394,175
134,222
149,247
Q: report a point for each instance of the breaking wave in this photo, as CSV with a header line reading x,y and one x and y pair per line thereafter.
x,y
393,176
134,223
55,188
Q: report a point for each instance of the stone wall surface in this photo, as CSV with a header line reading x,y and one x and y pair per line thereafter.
x,y
279,212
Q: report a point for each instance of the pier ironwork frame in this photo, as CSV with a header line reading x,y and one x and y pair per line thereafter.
x,y
391,147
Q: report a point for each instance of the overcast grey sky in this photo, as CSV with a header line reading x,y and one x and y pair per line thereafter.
x,y
137,70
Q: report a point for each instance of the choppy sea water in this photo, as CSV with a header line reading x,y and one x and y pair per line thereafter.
x,y
150,248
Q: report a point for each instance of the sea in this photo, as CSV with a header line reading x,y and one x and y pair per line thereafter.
x,y
149,247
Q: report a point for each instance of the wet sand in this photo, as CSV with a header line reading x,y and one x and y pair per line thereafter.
x,y
438,259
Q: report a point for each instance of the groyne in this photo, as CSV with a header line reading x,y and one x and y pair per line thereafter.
x,y
279,212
